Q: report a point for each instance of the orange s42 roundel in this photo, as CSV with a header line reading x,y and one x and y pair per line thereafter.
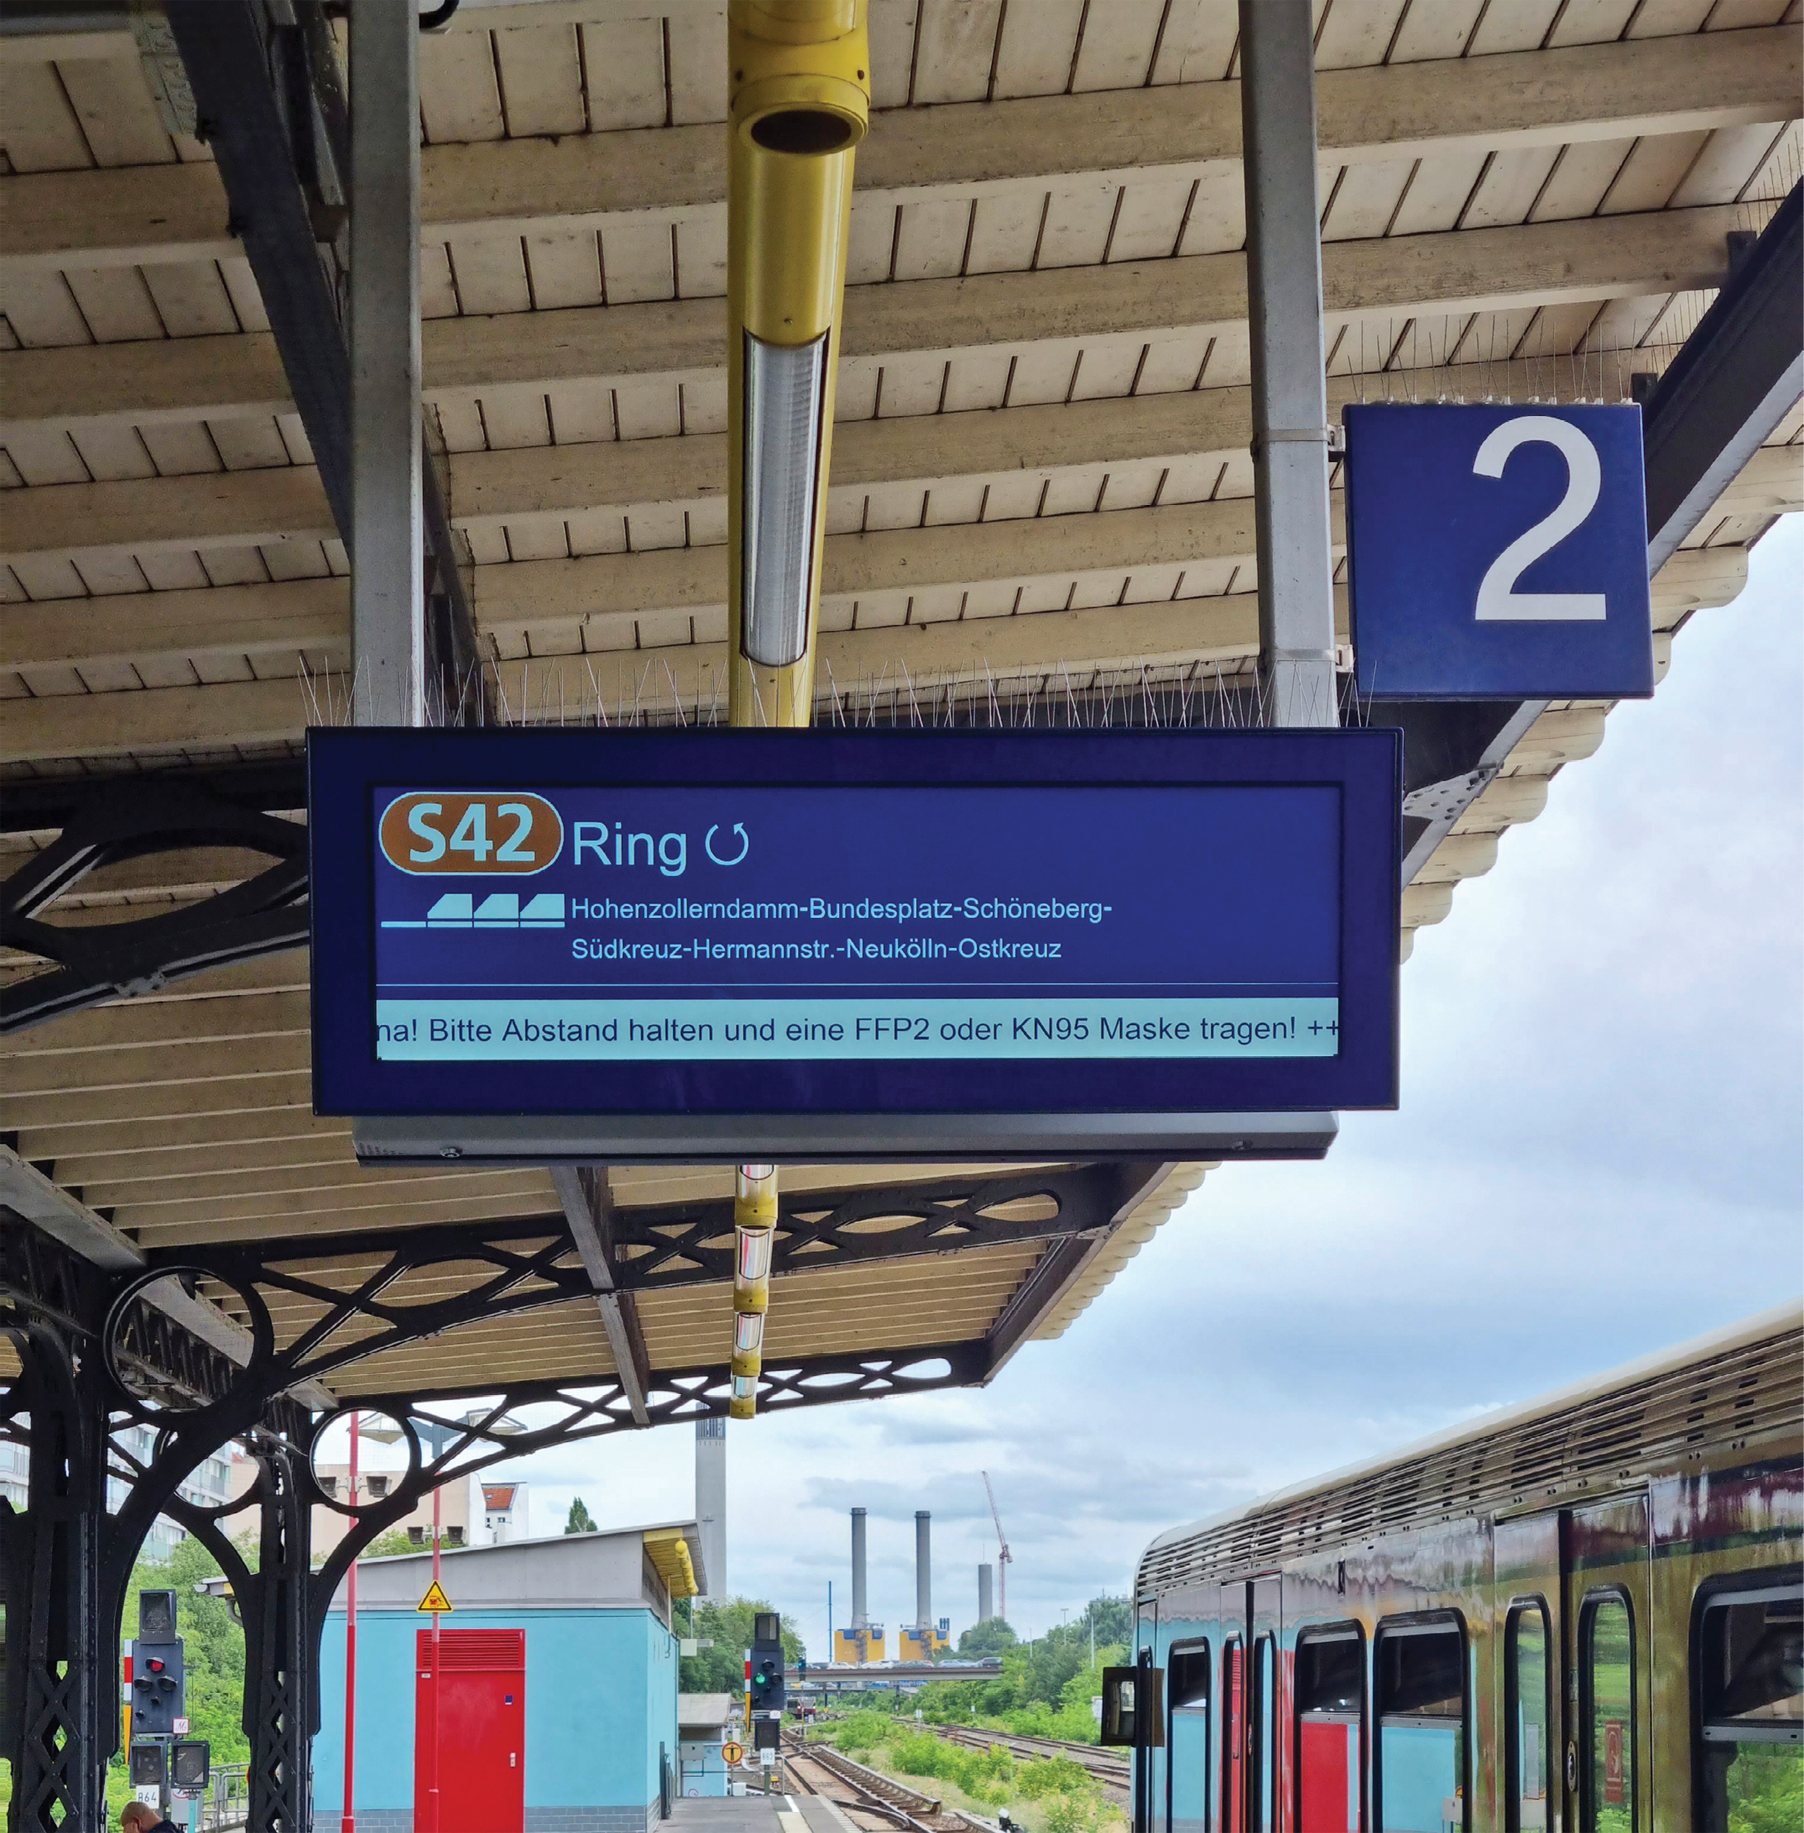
x,y
464,831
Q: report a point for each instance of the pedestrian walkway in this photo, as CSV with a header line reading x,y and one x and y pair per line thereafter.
x,y
795,1813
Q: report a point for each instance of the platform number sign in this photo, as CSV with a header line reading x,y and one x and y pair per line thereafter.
x,y
1498,552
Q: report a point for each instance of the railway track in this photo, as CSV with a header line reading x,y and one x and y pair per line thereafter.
x,y
891,1803
1109,1770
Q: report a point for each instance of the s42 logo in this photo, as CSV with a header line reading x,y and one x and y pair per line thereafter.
x,y
462,831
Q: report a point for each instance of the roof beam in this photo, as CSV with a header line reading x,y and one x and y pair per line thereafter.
x,y
1739,374
581,183
1471,270
1107,638
1061,1266
607,596
589,1211
257,508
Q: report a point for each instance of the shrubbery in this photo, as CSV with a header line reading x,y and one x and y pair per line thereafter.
x,y
994,1777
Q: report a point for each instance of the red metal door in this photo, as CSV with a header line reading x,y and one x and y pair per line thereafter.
x,y
478,1696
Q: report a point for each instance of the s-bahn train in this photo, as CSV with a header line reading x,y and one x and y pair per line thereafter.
x,y
1582,1615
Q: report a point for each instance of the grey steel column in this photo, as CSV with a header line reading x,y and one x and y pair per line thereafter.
x,y
387,584
711,1503
1290,402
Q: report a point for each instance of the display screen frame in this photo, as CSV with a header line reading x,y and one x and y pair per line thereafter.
x,y
346,765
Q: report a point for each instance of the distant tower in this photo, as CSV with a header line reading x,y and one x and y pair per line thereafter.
x,y
986,1606
711,1503
859,1619
923,1573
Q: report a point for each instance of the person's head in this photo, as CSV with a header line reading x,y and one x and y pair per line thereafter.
x,y
137,1817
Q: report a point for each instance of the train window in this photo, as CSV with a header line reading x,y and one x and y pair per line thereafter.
x,y
1187,1741
1233,1736
1750,1706
1261,1782
1526,1718
1607,1715
1331,1690
1420,1676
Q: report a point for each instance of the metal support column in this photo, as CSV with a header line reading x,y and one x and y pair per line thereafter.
x,y
281,1645
1290,402
387,561
60,1705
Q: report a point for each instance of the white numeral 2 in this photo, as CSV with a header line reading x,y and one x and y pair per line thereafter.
x,y
1498,600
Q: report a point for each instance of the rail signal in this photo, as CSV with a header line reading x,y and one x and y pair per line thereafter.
x,y
767,1664
159,1689
150,1764
156,1616
190,1766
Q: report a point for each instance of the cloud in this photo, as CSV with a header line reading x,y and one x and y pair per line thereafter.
x,y
1597,1156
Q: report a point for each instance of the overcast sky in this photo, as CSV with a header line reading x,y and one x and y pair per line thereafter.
x,y
1597,1156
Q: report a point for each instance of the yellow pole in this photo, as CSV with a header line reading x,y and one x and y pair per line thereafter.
x,y
754,1230
799,99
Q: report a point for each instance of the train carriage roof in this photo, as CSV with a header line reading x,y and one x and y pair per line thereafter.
x,y
1741,1383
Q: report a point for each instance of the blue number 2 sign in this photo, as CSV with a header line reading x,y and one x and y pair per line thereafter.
x,y
1498,552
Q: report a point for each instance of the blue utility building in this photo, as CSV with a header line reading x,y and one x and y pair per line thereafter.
x,y
554,1695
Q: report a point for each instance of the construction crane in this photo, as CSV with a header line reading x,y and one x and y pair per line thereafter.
x,y
1004,1558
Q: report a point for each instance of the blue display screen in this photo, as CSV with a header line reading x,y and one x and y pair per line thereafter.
x,y
569,922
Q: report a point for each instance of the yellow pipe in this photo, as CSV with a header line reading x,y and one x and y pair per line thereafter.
x,y
799,98
754,1231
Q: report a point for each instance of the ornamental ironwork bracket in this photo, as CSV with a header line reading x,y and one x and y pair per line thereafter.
x,y
531,1262
136,819
692,1244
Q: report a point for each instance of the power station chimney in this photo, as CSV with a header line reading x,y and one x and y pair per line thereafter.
x,y
924,1571
859,1618
711,1503
986,1603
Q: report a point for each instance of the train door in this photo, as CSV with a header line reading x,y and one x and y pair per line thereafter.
x,y
1528,1688
1608,1637
1266,1691
1234,1709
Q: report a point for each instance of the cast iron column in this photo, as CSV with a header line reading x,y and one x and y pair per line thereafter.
x,y
281,1645
62,1703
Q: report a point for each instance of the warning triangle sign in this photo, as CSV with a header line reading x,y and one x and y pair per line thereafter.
x,y
435,1599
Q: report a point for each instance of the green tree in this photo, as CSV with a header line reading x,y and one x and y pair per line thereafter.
x,y
990,1637
580,1521
727,1623
1046,1685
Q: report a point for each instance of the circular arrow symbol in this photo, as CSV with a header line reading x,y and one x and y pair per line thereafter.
x,y
745,844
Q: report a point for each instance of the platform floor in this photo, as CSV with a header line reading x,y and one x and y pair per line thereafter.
x,y
756,1814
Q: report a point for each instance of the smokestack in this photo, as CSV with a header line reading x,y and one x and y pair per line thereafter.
x,y
711,1503
986,1604
923,1571
859,1619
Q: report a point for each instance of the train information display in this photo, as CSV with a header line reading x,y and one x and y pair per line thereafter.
x,y
715,923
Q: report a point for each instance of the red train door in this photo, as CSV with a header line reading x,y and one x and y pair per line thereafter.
x,y
1233,1737
479,1693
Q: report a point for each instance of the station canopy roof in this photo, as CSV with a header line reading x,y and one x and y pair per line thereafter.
x,y
1041,479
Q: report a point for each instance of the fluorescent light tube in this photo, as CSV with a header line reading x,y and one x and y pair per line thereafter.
x,y
785,388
